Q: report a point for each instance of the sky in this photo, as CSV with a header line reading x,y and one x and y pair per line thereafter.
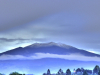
x,y
72,22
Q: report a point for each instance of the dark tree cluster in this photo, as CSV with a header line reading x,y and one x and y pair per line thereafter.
x,y
85,73
96,70
68,72
60,72
15,73
80,71
48,72
89,71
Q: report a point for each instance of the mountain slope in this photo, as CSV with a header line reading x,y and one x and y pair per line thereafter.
x,y
51,47
40,65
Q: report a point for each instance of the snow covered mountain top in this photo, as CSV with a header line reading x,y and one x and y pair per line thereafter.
x,y
50,44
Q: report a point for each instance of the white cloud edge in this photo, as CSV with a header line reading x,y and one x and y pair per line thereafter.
x,y
74,56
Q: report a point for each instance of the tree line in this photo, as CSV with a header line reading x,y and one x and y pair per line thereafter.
x,y
78,71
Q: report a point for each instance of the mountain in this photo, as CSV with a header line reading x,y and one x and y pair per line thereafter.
x,y
46,56
54,48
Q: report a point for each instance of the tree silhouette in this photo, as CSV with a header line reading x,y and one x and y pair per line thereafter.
x,y
48,72
44,74
60,72
89,71
99,72
1,74
68,72
96,69
15,73
85,73
78,70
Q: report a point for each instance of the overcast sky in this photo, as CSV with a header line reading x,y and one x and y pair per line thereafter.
x,y
72,22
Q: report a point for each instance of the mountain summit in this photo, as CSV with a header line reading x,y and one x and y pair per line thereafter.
x,y
51,47
49,44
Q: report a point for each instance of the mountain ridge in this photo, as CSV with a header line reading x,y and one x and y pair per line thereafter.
x,y
51,47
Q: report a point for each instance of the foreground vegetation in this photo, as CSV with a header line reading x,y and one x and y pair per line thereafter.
x,y
79,71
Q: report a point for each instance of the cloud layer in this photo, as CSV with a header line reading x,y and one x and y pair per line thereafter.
x,y
75,56
16,13
74,23
67,28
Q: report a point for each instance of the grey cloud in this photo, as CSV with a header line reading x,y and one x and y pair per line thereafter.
x,y
8,44
74,23
16,13
20,39
47,29
11,40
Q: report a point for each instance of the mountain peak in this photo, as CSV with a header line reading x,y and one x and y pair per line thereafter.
x,y
50,44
